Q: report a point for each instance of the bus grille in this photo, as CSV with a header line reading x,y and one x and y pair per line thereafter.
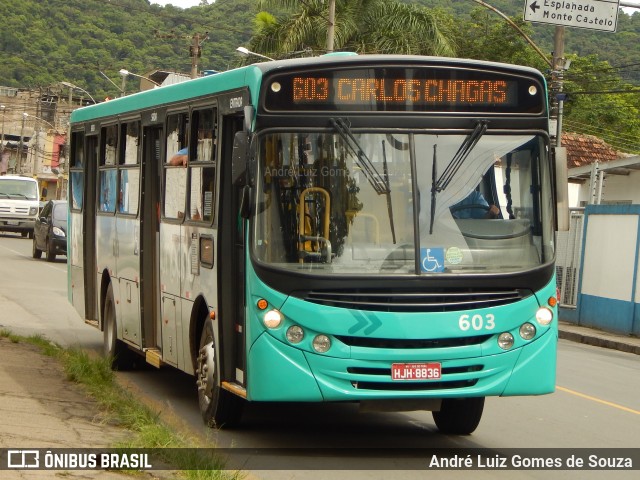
x,y
413,386
368,342
445,300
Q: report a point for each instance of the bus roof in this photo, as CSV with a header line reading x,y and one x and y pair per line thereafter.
x,y
250,76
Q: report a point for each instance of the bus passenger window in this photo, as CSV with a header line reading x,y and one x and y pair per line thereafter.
x,y
129,191
128,196
108,190
201,193
77,173
175,189
177,126
203,135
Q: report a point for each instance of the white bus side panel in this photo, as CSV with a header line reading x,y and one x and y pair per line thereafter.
x,y
128,268
197,280
171,251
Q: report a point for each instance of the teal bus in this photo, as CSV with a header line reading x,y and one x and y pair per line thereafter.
x,y
345,228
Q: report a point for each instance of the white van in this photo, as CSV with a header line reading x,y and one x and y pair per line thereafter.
x,y
19,204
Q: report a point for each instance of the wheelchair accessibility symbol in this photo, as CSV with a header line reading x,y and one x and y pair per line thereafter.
x,y
432,259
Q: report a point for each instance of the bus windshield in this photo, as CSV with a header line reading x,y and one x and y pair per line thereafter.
x,y
348,203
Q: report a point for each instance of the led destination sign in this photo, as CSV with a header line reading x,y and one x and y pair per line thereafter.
x,y
359,90
397,89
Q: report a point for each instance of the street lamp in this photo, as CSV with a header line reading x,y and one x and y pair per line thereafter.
x,y
113,83
53,127
125,73
72,86
246,52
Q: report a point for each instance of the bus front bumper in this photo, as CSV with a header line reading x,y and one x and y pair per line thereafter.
x,y
280,372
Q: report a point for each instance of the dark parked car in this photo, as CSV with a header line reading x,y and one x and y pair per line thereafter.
x,y
50,230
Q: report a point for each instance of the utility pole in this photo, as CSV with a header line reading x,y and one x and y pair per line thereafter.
x,y
195,52
195,49
21,144
557,105
332,25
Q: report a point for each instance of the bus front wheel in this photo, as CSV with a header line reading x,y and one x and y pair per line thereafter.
x,y
459,416
219,408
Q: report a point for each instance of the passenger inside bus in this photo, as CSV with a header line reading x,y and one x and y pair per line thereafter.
x,y
180,158
474,206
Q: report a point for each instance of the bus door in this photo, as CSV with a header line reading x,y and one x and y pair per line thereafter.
x,y
231,262
149,235
89,223
128,231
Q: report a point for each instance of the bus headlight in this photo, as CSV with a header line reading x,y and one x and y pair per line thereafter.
x,y
544,316
321,343
272,319
33,211
295,334
505,341
527,331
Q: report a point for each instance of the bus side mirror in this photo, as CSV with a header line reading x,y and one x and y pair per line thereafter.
x,y
562,189
239,159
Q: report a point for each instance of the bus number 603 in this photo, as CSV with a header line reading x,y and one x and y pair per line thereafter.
x,y
477,322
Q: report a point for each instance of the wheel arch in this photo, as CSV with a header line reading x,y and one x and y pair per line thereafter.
x,y
199,314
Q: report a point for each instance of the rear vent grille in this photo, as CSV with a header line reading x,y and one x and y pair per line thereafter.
x,y
449,300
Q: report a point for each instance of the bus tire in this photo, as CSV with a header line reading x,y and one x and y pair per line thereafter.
x,y
36,252
459,416
121,357
219,408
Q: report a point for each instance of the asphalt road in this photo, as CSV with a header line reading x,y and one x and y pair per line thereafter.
x,y
596,404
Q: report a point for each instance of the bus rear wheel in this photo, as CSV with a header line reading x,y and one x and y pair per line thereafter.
x,y
459,416
219,408
121,357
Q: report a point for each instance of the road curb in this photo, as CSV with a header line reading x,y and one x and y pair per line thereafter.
x,y
600,341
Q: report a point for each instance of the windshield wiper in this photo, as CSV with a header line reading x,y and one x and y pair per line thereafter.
x,y
452,169
386,179
461,155
370,172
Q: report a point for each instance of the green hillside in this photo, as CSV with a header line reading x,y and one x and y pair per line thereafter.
x,y
43,42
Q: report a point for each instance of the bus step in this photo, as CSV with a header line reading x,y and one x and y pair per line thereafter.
x,y
153,357
93,323
235,389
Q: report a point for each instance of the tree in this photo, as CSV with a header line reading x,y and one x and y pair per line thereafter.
x,y
488,37
597,106
363,26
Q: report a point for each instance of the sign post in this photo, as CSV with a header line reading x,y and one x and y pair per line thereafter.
x,y
589,14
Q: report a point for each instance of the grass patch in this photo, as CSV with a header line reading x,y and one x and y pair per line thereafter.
x,y
119,406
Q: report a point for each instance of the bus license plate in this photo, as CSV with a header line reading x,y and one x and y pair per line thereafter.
x,y
416,371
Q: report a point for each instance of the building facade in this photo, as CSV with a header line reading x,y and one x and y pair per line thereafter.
x,y
33,140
